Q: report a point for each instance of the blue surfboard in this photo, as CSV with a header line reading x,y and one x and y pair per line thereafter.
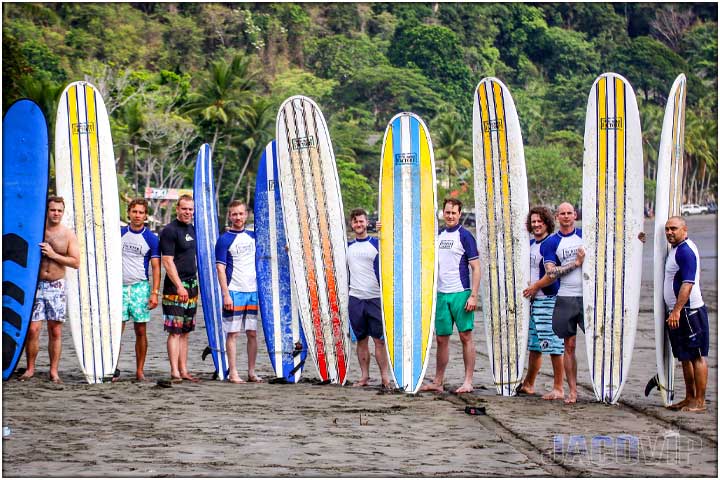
x,y
278,305
206,228
26,164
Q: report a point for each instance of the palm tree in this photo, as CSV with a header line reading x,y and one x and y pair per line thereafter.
x,y
452,151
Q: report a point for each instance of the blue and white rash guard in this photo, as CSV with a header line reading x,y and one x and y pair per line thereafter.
x,y
137,250
561,250
456,247
236,250
363,263
682,266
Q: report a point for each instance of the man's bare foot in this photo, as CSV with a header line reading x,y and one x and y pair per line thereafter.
x,y
237,380
26,376
523,389
678,406
698,409
363,382
189,378
140,377
432,387
571,398
56,379
254,379
465,388
554,395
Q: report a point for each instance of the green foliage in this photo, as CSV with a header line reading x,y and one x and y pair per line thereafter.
x,y
553,176
338,56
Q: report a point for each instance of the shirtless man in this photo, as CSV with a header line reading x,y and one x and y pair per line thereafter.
x,y
59,250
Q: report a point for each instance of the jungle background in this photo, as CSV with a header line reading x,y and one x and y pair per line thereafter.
x,y
176,75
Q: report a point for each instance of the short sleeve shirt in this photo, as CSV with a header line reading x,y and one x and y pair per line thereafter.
x,y
236,250
537,269
456,247
177,240
363,264
682,266
561,250
137,250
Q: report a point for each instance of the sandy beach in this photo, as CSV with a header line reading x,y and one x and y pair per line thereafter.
x,y
219,429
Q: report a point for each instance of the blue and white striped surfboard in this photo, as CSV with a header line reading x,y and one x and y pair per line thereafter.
x,y
408,250
206,229
26,163
612,219
86,178
276,294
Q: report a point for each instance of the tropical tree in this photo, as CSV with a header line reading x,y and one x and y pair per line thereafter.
x,y
453,152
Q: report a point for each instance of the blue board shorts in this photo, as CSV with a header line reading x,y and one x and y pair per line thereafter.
x,y
135,302
49,301
691,340
365,317
541,337
243,316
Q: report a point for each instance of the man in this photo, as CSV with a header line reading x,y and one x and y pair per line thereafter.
x,y
180,290
59,250
563,254
457,295
541,292
364,304
235,260
687,319
141,250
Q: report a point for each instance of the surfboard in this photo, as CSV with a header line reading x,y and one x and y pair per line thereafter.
x,y
282,329
612,219
408,249
315,232
668,199
206,229
501,205
86,179
26,164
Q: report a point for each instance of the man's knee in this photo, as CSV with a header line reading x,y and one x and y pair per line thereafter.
x,y
34,330
251,334
54,328
140,329
466,337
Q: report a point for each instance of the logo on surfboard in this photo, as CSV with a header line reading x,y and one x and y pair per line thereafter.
x,y
83,128
493,125
303,143
611,123
405,159
271,185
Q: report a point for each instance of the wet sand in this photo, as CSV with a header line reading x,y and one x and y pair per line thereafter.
x,y
220,429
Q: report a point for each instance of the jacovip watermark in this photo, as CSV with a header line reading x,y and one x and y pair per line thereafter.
x,y
670,448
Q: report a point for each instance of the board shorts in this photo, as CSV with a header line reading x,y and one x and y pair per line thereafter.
x,y
541,337
243,316
450,310
49,301
691,340
135,302
567,316
365,318
180,316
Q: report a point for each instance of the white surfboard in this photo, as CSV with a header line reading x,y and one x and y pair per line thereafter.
x,y
668,199
85,174
501,204
612,220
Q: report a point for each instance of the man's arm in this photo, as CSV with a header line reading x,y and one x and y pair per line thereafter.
x,y
72,259
472,301
555,272
171,272
222,280
155,265
545,281
673,319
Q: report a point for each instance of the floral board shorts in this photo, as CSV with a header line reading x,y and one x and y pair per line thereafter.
x,y
135,301
49,301
180,316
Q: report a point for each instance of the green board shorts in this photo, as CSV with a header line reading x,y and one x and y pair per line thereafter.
x,y
450,309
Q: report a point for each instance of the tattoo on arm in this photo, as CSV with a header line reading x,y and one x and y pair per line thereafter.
x,y
562,270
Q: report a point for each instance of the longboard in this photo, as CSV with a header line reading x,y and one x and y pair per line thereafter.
x,y
206,229
315,231
282,329
668,199
612,220
408,250
26,164
501,204
86,178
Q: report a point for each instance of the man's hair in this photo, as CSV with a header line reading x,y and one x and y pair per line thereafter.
x,y
185,197
357,212
138,201
545,215
453,201
237,203
56,200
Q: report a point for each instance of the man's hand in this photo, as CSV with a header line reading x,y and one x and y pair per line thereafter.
x,y
227,301
530,291
152,301
673,319
182,294
47,250
471,303
580,258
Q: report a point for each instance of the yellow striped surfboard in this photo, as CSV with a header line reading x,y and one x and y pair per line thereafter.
x,y
612,220
86,178
408,250
501,204
668,199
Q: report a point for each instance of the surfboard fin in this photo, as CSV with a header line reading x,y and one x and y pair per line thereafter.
x,y
206,352
653,383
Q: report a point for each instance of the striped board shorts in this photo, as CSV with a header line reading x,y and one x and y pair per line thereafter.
x,y
180,316
243,316
541,337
